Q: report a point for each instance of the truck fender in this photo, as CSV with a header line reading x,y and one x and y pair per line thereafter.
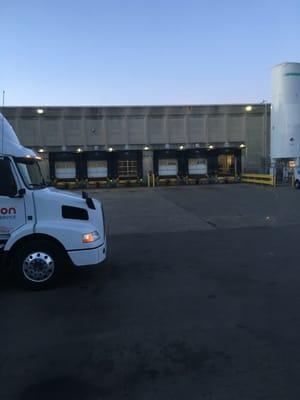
x,y
25,239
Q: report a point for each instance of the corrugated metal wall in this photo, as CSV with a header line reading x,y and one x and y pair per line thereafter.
x,y
67,128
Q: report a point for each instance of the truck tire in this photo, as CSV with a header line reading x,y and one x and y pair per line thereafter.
x,y
38,264
297,184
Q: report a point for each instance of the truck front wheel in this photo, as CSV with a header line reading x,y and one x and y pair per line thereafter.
x,y
38,264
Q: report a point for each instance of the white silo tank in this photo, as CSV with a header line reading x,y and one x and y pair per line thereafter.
x,y
285,112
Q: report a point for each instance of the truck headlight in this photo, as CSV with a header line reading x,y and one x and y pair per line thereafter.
x,y
90,237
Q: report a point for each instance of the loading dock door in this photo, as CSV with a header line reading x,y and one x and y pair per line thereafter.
x,y
97,169
226,164
197,166
65,170
167,167
127,169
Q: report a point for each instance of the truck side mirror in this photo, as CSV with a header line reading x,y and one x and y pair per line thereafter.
x,y
13,192
21,192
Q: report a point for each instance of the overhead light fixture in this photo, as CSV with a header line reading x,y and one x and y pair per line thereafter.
x,y
41,150
242,145
79,150
181,147
110,149
248,108
40,111
146,148
211,147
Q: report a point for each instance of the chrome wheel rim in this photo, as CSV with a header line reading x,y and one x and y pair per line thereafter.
x,y
38,267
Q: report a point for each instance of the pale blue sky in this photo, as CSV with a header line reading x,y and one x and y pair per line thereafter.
x,y
130,52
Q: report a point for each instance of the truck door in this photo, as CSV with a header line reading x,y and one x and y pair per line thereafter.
x,y
12,208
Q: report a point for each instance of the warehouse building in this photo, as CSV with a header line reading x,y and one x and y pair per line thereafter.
x,y
97,145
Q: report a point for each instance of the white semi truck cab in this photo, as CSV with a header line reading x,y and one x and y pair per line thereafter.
x,y
42,229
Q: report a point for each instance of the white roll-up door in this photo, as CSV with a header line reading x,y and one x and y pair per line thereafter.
x,y
168,167
197,166
65,169
97,169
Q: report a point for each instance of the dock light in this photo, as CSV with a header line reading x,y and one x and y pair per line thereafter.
x,y
181,147
292,164
146,148
40,111
90,237
248,108
242,146
79,150
41,150
110,149
211,147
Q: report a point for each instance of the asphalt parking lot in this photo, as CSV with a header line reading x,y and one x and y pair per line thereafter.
x,y
199,299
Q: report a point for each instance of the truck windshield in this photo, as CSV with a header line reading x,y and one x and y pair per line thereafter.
x,y
31,173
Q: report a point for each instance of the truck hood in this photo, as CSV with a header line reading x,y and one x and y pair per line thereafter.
x,y
69,198
53,199
64,193
50,220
